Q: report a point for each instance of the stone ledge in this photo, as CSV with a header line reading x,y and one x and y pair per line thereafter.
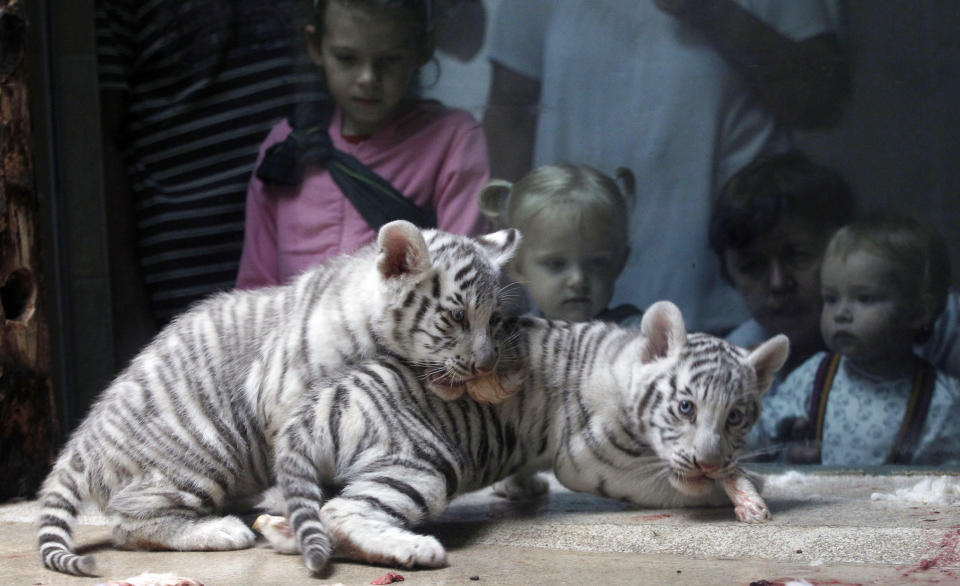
x,y
826,530
819,518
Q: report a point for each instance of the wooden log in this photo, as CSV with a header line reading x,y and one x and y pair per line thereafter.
x,y
29,429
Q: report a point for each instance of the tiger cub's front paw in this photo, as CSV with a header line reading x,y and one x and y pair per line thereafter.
x,y
217,534
752,511
748,505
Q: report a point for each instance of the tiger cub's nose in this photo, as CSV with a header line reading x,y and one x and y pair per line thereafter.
x,y
707,469
485,360
484,368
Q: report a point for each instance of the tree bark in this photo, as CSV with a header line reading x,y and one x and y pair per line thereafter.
x,y
29,429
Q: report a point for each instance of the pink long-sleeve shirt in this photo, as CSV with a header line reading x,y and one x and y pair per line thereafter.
x,y
434,155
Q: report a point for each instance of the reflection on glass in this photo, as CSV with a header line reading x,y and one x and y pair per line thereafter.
x,y
692,97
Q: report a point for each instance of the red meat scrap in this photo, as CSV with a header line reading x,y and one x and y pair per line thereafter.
x,y
388,578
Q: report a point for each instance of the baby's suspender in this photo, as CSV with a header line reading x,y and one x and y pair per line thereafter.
x,y
822,384
913,419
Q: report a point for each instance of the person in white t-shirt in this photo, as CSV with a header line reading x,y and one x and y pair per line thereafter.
x,y
459,75
683,92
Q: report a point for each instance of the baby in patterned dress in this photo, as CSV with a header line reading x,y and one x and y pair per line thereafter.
x,y
871,400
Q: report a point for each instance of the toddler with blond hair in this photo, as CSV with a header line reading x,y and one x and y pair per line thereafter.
x,y
871,399
574,221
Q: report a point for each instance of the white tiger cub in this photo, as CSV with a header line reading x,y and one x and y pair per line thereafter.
x,y
186,431
653,416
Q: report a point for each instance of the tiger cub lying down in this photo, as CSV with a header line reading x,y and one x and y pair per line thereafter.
x,y
186,432
653,416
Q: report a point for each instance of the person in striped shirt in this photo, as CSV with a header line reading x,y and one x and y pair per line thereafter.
x,y
188,91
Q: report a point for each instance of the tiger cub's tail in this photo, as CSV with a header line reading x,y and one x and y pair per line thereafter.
x,y
313,537
298,477
63,492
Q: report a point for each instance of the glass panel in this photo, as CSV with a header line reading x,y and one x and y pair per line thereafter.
x,y
748,136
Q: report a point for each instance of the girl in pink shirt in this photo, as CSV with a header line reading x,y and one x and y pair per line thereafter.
x,y
368,54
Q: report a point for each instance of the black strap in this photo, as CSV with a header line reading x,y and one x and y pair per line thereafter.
x,y
310,144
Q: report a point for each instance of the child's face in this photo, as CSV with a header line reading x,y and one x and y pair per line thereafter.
x,y
866,316
778,277
569,273
369,58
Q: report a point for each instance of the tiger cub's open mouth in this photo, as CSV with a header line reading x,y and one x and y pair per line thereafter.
x,y
446,386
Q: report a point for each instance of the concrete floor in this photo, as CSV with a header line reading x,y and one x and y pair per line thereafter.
x,y
826,530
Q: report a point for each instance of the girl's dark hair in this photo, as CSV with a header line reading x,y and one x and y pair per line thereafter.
x,y
420,13
757,196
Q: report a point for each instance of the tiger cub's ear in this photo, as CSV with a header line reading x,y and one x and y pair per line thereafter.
x,y
664,330
403,251
501,246
768,358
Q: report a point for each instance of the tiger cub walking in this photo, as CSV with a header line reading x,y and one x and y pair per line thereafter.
x,y
187,429
654,416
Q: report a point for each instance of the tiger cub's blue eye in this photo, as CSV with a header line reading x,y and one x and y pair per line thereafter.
x,y
686,407
735,417
457,315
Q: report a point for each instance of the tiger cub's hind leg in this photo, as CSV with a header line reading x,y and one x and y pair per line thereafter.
x,y
147,517
375,537
369,520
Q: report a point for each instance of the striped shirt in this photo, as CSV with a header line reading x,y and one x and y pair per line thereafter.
x,y
204,82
